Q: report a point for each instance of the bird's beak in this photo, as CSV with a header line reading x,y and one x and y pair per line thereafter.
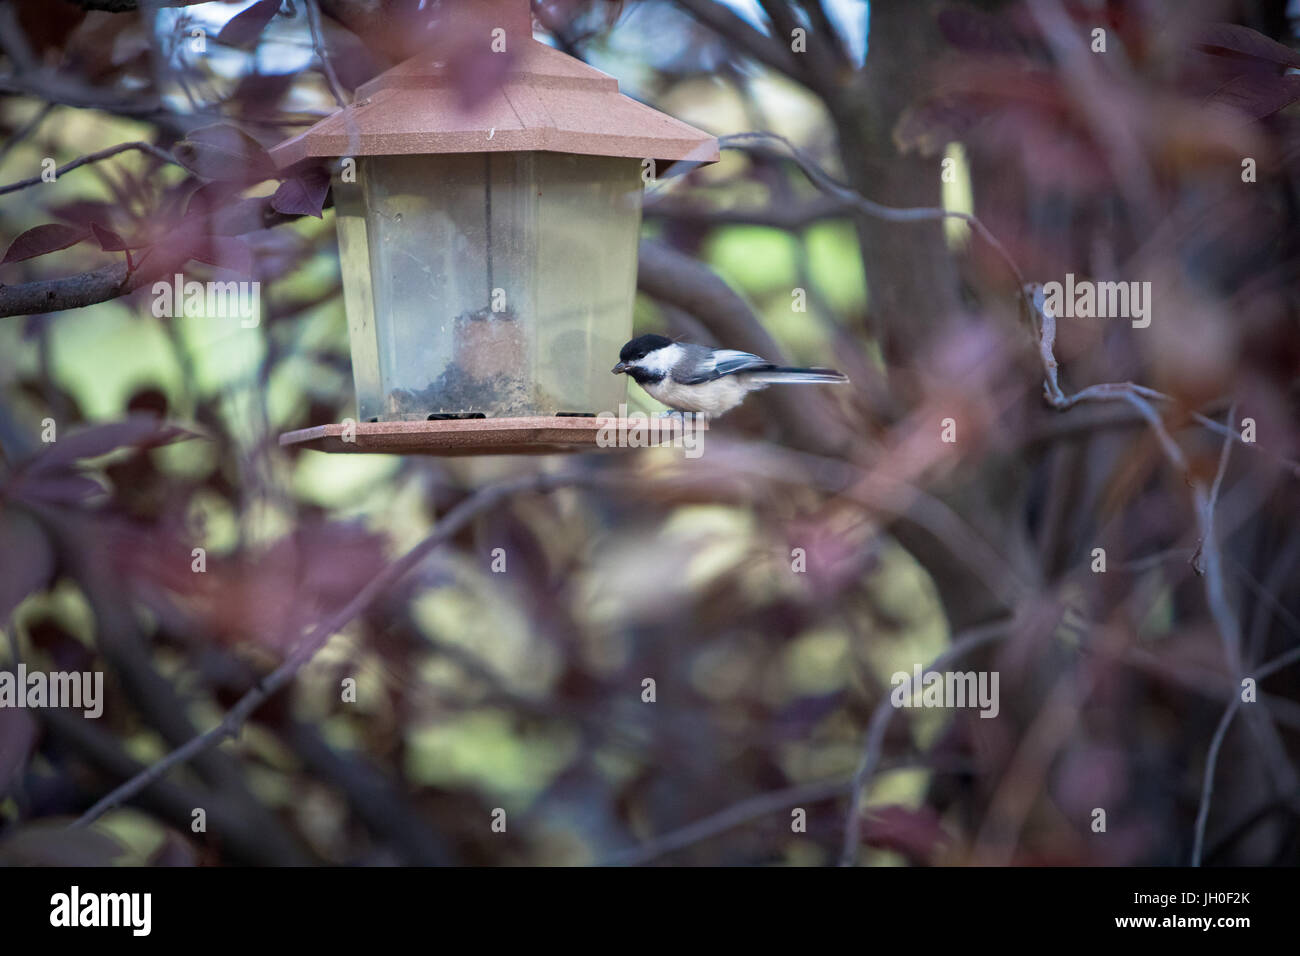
x,y
620,368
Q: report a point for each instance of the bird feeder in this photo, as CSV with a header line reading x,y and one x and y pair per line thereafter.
x,y
488,252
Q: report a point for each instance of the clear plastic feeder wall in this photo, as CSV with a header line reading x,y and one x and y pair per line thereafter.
x,y
488,284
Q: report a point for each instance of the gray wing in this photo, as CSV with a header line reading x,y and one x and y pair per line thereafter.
x,y
702,364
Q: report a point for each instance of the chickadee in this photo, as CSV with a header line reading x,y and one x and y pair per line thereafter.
x,y
695,378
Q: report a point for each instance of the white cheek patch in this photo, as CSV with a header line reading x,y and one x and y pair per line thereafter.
x,y
661,360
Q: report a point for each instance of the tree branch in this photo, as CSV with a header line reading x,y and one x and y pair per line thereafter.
x,y
129,6
66,91
789,217
1139,396
116,280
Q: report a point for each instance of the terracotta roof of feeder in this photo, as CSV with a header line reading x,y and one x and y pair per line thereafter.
x,y
547,101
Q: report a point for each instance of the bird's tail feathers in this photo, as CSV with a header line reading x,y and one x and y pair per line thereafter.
x,y
790,376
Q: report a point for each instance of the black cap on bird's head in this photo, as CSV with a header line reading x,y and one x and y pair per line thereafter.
x,y
639,348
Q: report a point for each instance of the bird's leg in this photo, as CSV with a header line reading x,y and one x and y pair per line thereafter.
x,y
669,413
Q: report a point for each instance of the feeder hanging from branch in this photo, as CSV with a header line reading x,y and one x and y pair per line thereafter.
x,y
489,253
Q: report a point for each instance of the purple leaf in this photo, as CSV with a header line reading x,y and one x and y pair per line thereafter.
x,y
303,194
144,431
26,561
41,240
259,94
57,489
108,240
245,28
210,197
82,211
1244,41
1258,96
225,153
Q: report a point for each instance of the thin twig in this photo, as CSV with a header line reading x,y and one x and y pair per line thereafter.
x,y
331,77
1207,785
143,147
1207,561
1285,659
1207,519
875,739
1205,500
733,816
759,806
740,33
1140,396
851,197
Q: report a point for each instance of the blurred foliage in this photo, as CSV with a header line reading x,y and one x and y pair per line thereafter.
x,y
523,691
